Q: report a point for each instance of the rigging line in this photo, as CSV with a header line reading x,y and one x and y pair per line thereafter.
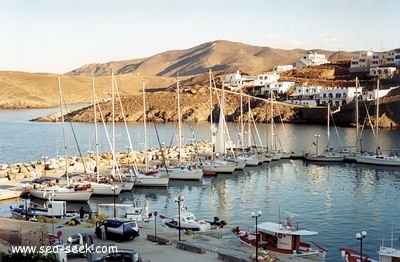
x,y
279,113
336,130
75,139
159,144
105,127
369,119
196,147
124,118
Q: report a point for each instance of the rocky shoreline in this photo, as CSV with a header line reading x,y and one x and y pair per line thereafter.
x,y
55,167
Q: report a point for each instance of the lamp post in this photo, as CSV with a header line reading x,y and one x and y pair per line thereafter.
x,y
360,237
256,216
114,188
25,186
316,143
155,224
179,200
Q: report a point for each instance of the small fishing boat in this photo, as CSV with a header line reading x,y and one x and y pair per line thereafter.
x,y
283,237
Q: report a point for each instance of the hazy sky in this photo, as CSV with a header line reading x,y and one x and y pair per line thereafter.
x,y
57,36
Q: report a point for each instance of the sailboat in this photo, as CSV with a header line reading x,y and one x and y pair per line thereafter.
x,y
329,154
182,171
98,187
378,158
146,178
215,164
60,192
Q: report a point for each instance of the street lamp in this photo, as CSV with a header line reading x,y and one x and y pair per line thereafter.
x,y
155,223
360,237
114,188
179,200
25,186
256,216
316,144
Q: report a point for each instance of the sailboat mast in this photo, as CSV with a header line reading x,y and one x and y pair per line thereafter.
x,y
377,106
272,119
211,109
145,127
248,122
63,129
328,121
357,115
179,118
113,123
95,130
241,121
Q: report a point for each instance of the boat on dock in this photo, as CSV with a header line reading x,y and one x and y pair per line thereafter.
x,y
51,208
186,220
283,237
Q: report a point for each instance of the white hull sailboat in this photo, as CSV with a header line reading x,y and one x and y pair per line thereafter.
x,y
61,193
378,158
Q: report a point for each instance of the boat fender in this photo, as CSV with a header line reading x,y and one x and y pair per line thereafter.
x,y
279,235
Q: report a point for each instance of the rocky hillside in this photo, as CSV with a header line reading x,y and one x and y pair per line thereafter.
x,y
218,55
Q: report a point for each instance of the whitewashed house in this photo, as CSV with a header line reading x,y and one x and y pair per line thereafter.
x,y
234,79
237,81
305,96
260,80
361,61
282,68
277,87
311,58
382,71
336,96
394,56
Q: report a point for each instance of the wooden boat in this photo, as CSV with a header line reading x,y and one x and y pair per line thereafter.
x,y
283,237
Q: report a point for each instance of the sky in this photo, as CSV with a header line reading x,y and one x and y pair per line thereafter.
x,y
58,36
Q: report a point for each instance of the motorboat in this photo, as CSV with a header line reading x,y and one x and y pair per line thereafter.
x,y
186,220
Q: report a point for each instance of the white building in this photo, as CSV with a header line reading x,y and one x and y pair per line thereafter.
x,y
394,56
361,61
282,68
260,80
237,81
365,60
382,71
305,95
278,87
234,79
310,58
336,96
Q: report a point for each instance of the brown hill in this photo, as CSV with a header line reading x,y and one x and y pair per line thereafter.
x,y
29,90
33,90
218,55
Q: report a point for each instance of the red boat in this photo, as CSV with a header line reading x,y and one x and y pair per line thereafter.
x,y
282,237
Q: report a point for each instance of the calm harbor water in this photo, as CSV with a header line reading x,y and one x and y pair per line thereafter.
x,y
337,200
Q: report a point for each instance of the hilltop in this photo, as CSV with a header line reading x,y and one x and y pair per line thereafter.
x,y
218,56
